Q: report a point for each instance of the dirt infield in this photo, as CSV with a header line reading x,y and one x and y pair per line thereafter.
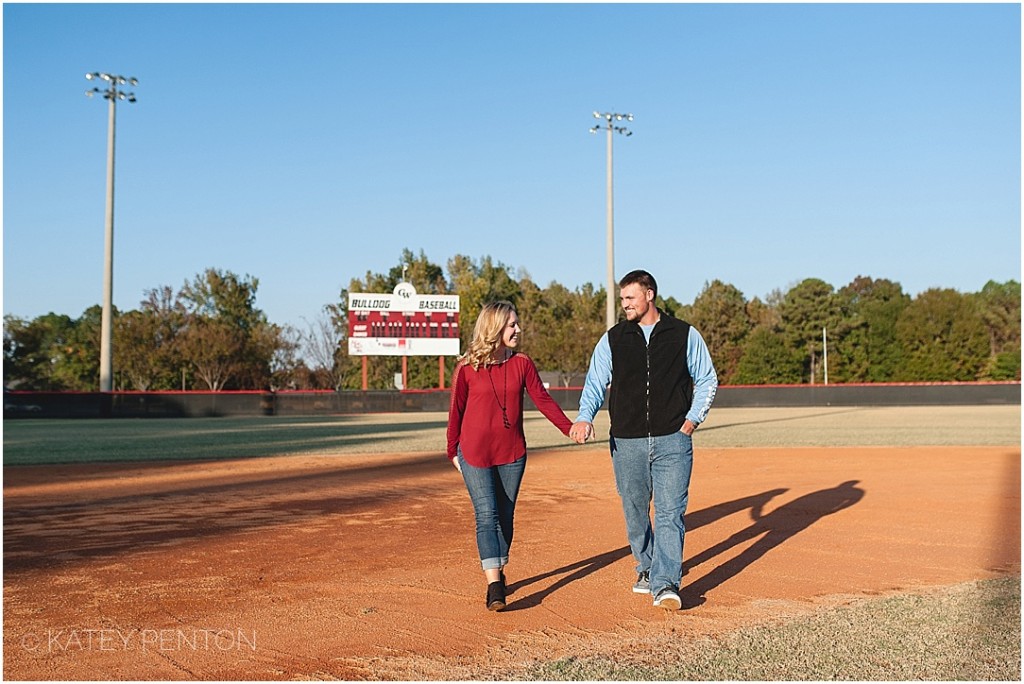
x,y
364,566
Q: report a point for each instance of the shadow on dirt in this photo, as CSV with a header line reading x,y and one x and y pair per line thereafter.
x,y
782,419
581,568
44,532
773,529
755,503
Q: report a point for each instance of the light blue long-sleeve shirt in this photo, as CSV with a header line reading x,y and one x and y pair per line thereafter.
x,y
698,361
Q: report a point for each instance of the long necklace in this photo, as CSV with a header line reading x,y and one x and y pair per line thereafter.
x,y
502,403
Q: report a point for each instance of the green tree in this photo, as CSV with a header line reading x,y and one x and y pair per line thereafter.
x,y
1000,309
764,314
211,334
322,343
1006,365
224,296
669,305
534,317
21,353
78,368
477,284
32,350
146,342
943,336
720,314
286,368
53,352
806,310
863,344
767,360
567,325
424,275
215,350
135,333
227,339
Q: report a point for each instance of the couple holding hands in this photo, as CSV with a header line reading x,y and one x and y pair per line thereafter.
x,y
661,383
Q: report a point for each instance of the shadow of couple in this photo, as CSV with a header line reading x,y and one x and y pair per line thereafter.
x,y
770,530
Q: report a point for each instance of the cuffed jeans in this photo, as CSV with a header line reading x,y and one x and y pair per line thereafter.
x,y
493,492
658,469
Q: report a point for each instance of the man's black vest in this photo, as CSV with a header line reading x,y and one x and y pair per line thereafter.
x,y
651,387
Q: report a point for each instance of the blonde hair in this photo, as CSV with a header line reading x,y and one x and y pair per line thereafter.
x,y
487,334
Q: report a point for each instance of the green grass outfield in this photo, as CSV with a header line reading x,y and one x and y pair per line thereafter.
x,y
41,441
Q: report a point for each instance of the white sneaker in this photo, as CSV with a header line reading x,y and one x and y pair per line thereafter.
x,y
668,599
643,583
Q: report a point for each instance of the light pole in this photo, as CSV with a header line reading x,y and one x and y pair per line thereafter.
x,y
113,93
608,125
824,347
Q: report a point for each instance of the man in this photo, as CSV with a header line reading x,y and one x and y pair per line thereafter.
x,y
662,385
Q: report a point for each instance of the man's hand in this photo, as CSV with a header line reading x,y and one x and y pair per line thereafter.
x,y
455,462
688,427
581,431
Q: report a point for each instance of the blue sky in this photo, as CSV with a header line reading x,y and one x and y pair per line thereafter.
x,y
308,144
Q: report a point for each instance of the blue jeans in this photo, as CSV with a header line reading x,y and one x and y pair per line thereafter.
x,y
493,491
658,469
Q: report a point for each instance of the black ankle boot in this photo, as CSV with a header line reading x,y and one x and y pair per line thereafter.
x,y
496,596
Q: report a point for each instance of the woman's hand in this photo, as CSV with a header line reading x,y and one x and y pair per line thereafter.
x,y
455,462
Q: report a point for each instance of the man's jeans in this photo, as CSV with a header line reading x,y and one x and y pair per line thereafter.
x,y
658,468
493,492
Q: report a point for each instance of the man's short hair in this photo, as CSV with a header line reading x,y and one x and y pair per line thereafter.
x,y
641,278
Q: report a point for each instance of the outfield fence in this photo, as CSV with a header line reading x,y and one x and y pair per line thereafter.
x,y
294,403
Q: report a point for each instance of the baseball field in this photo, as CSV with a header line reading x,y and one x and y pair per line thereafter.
x,y
822,543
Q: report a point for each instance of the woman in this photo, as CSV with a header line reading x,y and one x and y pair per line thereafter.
x,y
485,433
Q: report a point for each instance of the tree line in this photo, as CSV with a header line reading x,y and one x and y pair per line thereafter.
x,y
210,335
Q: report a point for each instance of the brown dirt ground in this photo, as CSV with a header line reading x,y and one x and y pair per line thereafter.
x,y
364,567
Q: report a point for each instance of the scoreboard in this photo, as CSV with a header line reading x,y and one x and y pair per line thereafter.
x,y
403,323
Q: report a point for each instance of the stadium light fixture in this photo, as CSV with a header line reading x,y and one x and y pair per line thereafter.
x,y
611,309
113,94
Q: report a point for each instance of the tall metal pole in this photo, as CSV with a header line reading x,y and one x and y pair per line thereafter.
x,y
107,320
611,311
824,346
113,94
611,308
